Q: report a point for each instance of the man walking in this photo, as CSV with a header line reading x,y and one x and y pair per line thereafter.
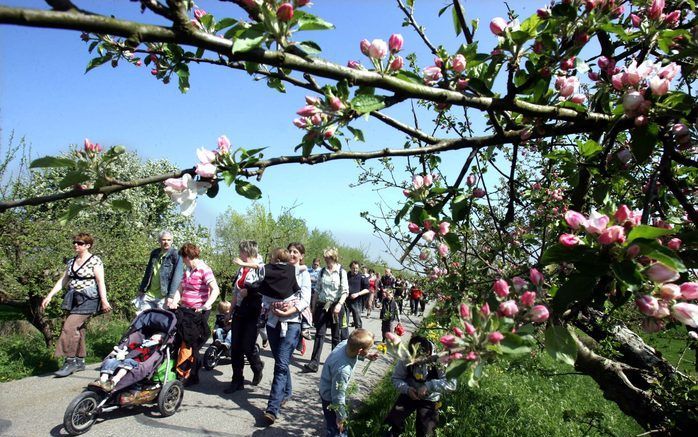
x,y
162,275
358,288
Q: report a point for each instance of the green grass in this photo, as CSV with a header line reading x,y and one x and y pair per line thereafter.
x,y
10,313
526,397
672,343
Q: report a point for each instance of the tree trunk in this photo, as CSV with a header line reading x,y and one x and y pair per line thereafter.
x,y
32,311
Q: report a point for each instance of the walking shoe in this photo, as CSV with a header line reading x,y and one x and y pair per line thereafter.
x,y
268,418
311,367
68,368
257,378
234,386
80,364
265,344
306,334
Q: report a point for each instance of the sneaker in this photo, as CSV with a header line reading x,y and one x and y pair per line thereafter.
x,y
68,368
311,367
107,385
80,364
268,418
96,383
234,386
265,344
257,378
306,334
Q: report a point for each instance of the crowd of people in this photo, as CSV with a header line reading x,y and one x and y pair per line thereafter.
x,y
280,300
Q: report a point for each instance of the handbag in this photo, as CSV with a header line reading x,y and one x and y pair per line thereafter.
x,y
399,329
68,298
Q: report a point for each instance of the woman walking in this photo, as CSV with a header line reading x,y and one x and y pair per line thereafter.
x,y
86,295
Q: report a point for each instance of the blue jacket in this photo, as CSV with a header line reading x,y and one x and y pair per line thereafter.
x,y
171,271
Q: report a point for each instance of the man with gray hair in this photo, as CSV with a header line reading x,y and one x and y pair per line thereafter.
x,y
162,275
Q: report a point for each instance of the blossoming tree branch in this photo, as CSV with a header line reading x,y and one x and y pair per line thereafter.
x,y
573,213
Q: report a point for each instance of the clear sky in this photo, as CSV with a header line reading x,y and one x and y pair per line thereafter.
x,y
46,98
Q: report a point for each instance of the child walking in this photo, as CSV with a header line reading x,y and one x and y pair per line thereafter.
x,y
420,387
335,376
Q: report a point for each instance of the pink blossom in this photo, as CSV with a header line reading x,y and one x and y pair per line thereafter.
x,y
417,182
495,337
458,331
574,219
669,71
670,291
329,132
485,310
432,74
622,214
578,98
427,225
569,240
395,42
464,311
205,156
662,310
633,251
479,193
672,19
413,227
308,111
471,356
567,85
471,180
301,3
300,123
364,45
632,101
674,244
568,63
603,62
428,180
617,81
449,341
397,64
528,298
501,288
429,236
198,13
497,25
312,100
356,65
689,290
392,338
438,62
543,13
508,308
458,63
659,86
205,169
635,20
661,273
648,305
596,223
612,234
316,119
336,103
656,9
378,49
536,277
177,184
285,12
443,249
407,193
539,314
444,228
519,283
223,144
469,329
686,313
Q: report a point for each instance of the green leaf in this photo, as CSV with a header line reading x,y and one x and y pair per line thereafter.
x,y
643,140
589,148
251,67
365,103
247,190
402,213
311,22
409,76
456,368
358,134
578,288
72,178
628,273
72,212
121,204
182,71
648,232
459,207
96,62
206,21
247,39
656,251
275,83
310,47
456,22
225,23
51,162
560,344
513,344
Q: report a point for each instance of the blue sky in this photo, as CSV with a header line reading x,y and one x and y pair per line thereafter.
x,y
46,98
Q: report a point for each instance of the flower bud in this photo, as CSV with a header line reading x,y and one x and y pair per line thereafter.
x,y
686,313
395,42
397,63
689,290
478,193
497,25
661,273
285,12
536,277
413,227
458,63
647,305
508,309
670,292
378,49
528,298
569,240
539,314
501,288
429,236
364,45
464,311
495,337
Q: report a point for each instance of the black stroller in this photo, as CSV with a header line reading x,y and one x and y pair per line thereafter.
x,y
140,385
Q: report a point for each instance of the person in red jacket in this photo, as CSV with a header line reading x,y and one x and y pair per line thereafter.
x,y
415,296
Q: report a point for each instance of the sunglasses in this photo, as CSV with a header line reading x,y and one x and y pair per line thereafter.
x,y
79,243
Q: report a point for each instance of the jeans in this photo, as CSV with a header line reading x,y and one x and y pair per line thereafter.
x,y
221,335
414,306
355,307
331,421
282,348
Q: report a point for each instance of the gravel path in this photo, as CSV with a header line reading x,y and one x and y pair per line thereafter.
x,y
35,406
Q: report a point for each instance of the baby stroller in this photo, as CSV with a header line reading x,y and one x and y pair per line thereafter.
x,y
219,351
142,385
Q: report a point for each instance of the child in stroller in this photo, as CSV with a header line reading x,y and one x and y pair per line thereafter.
x,y
148,378
222,334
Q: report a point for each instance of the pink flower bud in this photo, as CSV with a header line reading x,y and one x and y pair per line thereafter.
x,y
686,313
392,338
397,64
285,12
622,214
444,228
449,341
154,71
438,62
471,180
458,63
539,314
574,219
632,101
407,193
469,329
336,103
656,9
300,123
395,42
659,86
596,223
205,170
495,337
223,144
617,81
635,20
578,98
470,356
428,180
497,25
670,292
198,13
567,64
465,312
536,277
308,111
205,156
458,331
661,273
689,290
417,181
612,234
329,132
424,255
672,19
356,65
674,244
479,193
485,310
632,251
413,227
139,63
429,236
528,298
569,240
177,184
501,288
669,71
432,74
443,249
508,308
519,283
543,13
364,45
316,119
378,49
647,305
462,84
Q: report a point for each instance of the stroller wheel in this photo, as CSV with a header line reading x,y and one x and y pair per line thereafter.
x,y
170,398
211,357
81,413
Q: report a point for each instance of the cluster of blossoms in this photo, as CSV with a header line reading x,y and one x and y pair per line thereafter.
x,y
377,50
655,13
91,149
185,190
635,80
597,225
682,135
320,116
481,329
567,87
453,67
478,192
419,189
